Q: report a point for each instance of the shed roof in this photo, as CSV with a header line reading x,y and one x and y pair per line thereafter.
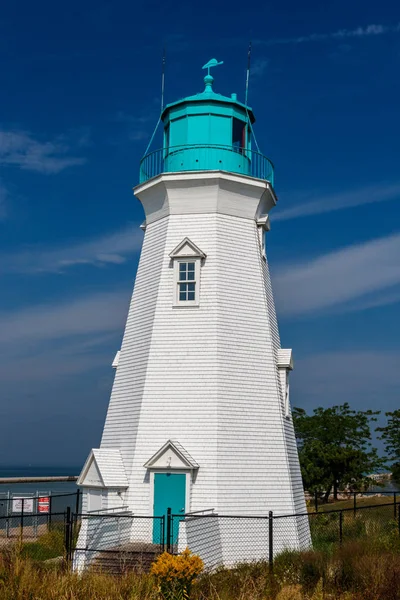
x,y
285,358
110,468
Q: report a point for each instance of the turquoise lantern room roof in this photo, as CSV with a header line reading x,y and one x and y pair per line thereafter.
x,y
208,96
207,132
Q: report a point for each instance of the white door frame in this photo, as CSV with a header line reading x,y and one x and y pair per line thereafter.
x,y
186,472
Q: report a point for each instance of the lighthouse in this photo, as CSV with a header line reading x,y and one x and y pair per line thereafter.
x,y
199,418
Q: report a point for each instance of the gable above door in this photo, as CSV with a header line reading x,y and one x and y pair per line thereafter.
x,y
172,455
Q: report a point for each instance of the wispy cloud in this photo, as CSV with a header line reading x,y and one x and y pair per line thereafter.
x,y
361,377
259,67
111,248
342,34
339,201
337,279
86,316
3,200
21,149
139,127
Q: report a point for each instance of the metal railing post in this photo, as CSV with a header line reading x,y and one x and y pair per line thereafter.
x,y
355,503
316,501
394,503
169,519
271,539
341,527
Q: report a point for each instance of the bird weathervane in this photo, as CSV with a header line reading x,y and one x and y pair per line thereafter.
x,y
212,63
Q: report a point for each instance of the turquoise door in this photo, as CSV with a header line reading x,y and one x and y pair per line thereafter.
x,y
169,492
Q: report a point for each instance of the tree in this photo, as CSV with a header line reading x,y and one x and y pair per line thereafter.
x,y
334,448
391,437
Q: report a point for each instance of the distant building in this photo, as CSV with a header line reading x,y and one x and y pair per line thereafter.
x,y
199,417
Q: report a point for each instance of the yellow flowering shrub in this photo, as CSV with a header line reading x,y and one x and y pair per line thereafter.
x,y
176,573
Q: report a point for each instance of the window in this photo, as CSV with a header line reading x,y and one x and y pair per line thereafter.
x,y
187,259
238,135
187,282
166,139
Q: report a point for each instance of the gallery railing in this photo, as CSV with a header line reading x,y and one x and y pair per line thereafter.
x,y
207,157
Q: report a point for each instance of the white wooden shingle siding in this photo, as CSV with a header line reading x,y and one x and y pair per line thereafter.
x,y
207,376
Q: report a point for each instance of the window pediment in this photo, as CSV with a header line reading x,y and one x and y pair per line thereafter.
x,y
187,249
172,455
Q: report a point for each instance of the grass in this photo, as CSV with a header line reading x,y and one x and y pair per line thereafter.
x,y
349,503
50,545
356,571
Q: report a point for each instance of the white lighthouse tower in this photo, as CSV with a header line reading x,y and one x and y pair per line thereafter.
x,y
199,419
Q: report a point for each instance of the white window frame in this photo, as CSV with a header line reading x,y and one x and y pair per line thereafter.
x,y
197,267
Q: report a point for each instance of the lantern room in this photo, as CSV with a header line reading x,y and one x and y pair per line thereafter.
x,y
207,132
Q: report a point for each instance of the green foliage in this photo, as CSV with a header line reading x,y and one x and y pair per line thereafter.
x,y
390,434
49,545
396,472
335,448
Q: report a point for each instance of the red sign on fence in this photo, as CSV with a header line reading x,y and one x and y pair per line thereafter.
x,y
44,504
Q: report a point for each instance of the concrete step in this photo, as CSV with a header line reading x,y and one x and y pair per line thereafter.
x,y
133,557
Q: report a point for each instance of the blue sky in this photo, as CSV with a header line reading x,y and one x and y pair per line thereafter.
x,y
80,98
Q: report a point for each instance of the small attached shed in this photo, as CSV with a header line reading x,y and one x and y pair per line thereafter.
x,y
103,481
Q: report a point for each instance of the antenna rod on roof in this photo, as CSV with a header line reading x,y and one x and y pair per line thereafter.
x,y
162,80
248,73
162,101
250,128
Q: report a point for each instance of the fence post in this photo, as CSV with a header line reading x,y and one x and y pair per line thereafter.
x,y
355,503
77,504
169,519
35,518
394,502
271,539
8,514
22,518
162,537
50,509
341,527
67,535
316,501
398,515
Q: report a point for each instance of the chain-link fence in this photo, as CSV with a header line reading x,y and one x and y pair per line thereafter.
x,y
363,522
119,541
113,542
27,517
320,501
229,540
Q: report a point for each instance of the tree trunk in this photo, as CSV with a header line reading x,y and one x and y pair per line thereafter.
x,y
327,493
335,489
